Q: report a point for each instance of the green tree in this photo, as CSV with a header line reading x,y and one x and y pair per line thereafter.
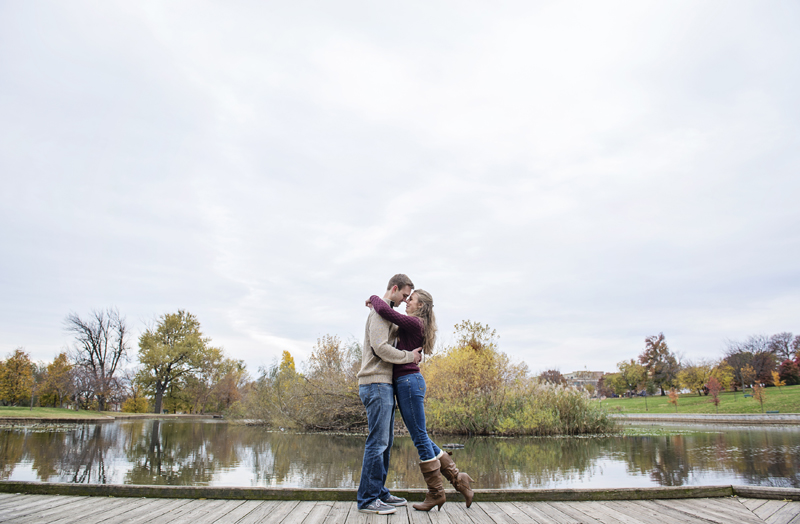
x,y
632,374
58,383
173,349
660,363
16,378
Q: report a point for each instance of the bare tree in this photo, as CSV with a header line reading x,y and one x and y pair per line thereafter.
x,y
101,343
755,351
780,344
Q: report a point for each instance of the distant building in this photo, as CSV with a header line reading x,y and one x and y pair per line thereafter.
x,y
583,378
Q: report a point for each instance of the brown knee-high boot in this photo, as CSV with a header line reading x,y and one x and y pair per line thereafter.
x,y
433,478
460,481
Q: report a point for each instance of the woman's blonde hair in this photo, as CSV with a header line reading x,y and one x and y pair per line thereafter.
x,y
425,313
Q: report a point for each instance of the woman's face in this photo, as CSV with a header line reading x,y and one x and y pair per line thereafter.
x,y
413,304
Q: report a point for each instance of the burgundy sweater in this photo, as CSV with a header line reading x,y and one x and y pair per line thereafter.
x,y
409,333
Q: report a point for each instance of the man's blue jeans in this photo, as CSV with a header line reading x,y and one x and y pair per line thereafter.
x,y
379,401
410,391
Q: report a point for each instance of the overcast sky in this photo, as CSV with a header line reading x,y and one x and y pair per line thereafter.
x,y
577,175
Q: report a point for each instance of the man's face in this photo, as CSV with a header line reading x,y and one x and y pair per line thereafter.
x,y
401,295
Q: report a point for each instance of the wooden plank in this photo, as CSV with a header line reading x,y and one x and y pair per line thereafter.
x,y
187,514
15,498
698,509
438,517
693,510
607,515
240,511
575,511
120,507
558,516
45,513
58,514
401,516
752,504
459,513
338,512
769,507
477,513
514,513
261,513
795,520
298,513
148,510
24,502
421,517
220,511
786,514
494,512
642,512
530,509
279,512
673,512
319,512
731,506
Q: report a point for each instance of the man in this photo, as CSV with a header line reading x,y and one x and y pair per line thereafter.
x,y
378,357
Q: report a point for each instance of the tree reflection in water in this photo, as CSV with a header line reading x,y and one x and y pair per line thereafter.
x,y
216,453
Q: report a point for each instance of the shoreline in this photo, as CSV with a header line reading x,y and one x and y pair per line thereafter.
x,y
782,419
349,494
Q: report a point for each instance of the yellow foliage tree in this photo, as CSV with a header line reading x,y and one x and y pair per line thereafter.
x,y
776,380
58,381
16,378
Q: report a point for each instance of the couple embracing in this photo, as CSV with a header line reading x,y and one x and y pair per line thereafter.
x,y
393,347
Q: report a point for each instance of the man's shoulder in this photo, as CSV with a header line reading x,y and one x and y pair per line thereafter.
x,y
375,318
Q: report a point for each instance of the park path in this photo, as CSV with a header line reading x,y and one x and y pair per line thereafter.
x,y
61,509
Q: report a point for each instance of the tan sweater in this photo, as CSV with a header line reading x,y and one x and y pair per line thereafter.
x,y
378,356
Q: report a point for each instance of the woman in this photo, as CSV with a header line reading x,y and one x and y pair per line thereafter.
x,y
418,329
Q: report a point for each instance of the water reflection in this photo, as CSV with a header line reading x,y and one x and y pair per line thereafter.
x,y
217,453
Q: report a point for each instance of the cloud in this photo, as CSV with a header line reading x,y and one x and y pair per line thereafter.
x,y
577,175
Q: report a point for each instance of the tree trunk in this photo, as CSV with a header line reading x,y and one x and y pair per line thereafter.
x,y
101,403
159,399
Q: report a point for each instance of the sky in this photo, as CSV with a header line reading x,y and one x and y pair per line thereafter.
x,y
577,175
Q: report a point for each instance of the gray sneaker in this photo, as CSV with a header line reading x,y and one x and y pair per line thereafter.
x,y
395,501
379,507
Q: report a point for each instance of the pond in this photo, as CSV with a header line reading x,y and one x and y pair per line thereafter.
x,y
216,453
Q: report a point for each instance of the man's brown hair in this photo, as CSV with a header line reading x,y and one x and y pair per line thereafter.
x,y
400,280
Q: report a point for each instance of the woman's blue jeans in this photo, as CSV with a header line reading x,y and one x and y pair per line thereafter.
x,y
410,393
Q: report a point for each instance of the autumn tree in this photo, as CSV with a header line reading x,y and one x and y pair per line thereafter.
x,y
781,345
776,380
59,381
789,372
673,398
755,351
661,365
694,376
760,395
714,388
553,376
468,382
16,378
170,351
101,344
723,373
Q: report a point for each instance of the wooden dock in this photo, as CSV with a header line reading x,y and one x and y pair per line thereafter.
x,y
61,509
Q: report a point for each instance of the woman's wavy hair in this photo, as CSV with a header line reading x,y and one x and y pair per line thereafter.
x,y
425,313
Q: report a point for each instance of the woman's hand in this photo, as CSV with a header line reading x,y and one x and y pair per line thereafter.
x,y
369,304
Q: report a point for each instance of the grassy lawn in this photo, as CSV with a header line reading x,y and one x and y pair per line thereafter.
x,y
46,413
787,400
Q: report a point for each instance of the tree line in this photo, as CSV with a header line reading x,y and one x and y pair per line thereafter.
x,y
757,361
176,369
473,388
